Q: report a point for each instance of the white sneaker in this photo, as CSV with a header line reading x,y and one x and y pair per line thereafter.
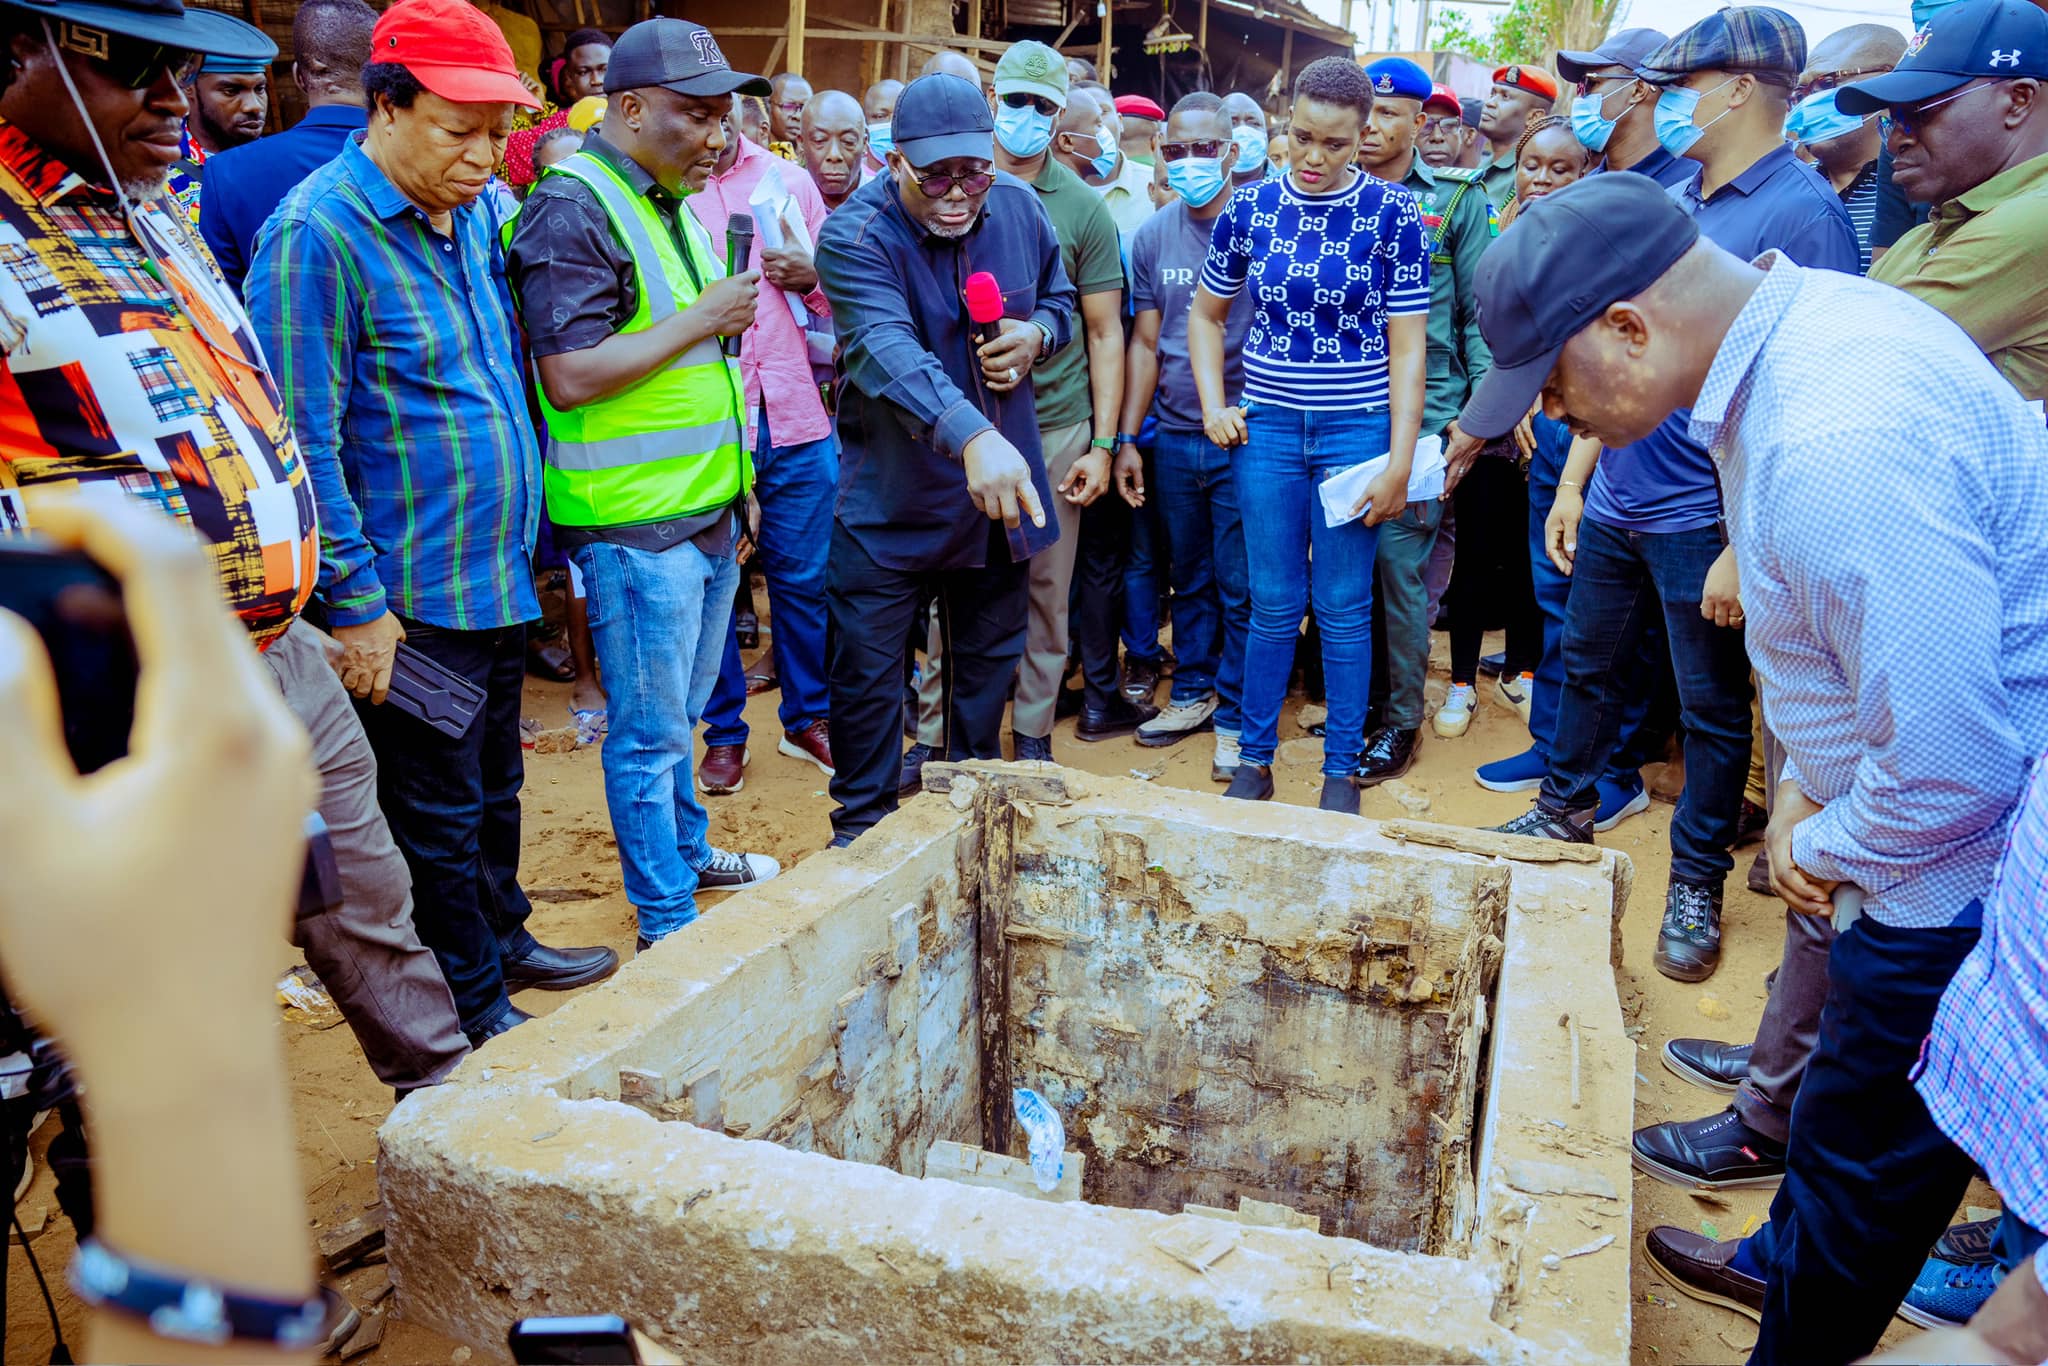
x,y
728,870
1517,691
1177,722
1454,717
1224,766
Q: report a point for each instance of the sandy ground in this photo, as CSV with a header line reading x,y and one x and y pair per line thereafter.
x,y
571,870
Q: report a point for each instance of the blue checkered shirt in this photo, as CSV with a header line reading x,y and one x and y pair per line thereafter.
x,y
1985,1076
1887,496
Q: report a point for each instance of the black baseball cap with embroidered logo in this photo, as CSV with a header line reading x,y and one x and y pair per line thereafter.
x,y
1975,40
677,55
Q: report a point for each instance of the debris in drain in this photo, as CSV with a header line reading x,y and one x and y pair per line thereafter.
x,y
1047,1136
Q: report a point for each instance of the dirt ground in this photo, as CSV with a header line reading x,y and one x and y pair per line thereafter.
x,y
571,870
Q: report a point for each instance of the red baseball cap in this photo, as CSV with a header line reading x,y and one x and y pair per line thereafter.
x,y
1443,95
453,48
1138,107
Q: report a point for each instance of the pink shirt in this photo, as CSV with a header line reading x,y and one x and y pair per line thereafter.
x,y
774,363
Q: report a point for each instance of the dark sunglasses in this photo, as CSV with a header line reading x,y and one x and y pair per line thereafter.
x,y
1178,151
1023,99
939,184
1831,80
131,61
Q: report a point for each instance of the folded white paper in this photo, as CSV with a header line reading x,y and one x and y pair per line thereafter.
x,y
777,222
1342,490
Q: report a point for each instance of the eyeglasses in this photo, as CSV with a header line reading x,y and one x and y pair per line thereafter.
x,y
1912,121
939,184
1443,127
1024,99
1832,79
131,61
1587,86
1178,151
790,106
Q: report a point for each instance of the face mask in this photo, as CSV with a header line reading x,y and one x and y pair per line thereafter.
x,y
1197,180
1923,10
881,140
1251,146
1815,119
1105,159
1023,132
1673,120
1592,127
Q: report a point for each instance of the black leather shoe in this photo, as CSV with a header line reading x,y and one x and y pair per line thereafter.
x,y
910,781
1759,880
1339,794
1749,824
1141,679
1699,1267
1068,703
544,969
1251,783
1033,748
1719,1152
1388,754
1708,1062
1689,945
490,1029
1120,717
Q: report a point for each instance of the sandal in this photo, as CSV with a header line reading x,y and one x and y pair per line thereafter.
x,y
763,680
550,659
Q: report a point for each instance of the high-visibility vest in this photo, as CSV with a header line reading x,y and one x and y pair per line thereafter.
x,y
673,444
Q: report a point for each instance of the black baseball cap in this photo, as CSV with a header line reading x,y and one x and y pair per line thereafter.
x,y
939,117
677,55
1999,39
1568,256
1471,110
1625,49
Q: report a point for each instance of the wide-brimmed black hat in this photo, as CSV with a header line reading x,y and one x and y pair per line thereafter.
x,y
159,21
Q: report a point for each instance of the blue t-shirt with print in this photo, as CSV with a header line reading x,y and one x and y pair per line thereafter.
x,y
1327,272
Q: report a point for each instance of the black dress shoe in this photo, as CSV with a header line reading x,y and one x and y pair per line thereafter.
x,y
1708,1062
1120,717
1068,703
1689,945
1759,879
1750,823
1700,1268
910,781
1251,783
490,1029
545,969
1339,794
1388,754
1719,1152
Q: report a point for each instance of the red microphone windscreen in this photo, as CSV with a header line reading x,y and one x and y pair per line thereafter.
x,y
984,298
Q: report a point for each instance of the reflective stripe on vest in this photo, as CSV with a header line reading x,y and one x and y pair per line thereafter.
x,y
648,452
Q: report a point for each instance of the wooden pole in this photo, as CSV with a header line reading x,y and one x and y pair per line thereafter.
x,y
1286,58
796,37
974,18
1102,68
1202,32
876,51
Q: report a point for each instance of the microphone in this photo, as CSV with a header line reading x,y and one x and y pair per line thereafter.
x,y
984,305
739,245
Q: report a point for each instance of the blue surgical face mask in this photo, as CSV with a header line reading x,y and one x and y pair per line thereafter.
x,y
1592,126
1676,106
1197,180
881,140
1107,154
1923,10
1023,132
1251,147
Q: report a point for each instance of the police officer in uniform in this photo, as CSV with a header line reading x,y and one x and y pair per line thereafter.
x,y
1459,223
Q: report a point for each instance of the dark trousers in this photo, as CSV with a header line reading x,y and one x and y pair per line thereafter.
x,y
1870,1182
1490,577
453,807
1621,582
871,610
1097,615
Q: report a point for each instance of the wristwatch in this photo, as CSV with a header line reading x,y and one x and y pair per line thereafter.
x,y
1045,344
1102,443
1126,438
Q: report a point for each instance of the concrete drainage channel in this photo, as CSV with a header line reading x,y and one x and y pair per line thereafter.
x,y
1333,1090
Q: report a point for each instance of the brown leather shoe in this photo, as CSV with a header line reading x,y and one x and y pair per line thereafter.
x,y
724,770
813,744
1698,1266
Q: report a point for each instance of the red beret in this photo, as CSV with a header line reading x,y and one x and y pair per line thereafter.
x,y
1137,106
1531,78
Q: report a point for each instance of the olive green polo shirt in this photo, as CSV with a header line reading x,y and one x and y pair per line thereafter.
x,y
1978,259
1094,261
1499,179
1459,223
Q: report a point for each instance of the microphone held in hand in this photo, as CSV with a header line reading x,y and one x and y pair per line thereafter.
x,y
739,246
984,306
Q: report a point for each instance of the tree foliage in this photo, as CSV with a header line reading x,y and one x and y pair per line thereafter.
x,y
1528,30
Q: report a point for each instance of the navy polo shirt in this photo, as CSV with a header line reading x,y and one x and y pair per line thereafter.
x,y
1666,482
243,184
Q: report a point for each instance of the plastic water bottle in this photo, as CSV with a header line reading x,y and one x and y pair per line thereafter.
x,y
1046,1134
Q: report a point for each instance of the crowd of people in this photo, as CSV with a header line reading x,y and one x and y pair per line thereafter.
x,y
1024,400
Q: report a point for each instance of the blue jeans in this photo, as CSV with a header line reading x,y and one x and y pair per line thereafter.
x,y
1145,574
1196,497
660,621
1622,582
725,715
1289,452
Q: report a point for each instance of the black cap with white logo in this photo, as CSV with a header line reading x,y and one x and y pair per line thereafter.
x,y
677,55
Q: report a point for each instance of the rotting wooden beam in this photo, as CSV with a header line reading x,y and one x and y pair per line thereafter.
x,y
996,889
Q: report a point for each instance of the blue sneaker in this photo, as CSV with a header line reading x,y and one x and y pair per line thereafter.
x,y
1522,772
1619,801
1946,1295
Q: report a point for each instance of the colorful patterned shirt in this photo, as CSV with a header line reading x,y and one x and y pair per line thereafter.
x,y
188,172
397,353
1985,1077
148,378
